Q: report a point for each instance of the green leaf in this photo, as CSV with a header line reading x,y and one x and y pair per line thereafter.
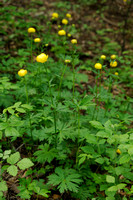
x,y
1,135
21,110
121,186
110,179
103,134
12,170
13,158
29,107
7,152
96,124
10,131
24,194
66,179
25,163
3,186
130,151
124,159
112,188
91,139
3,126
45,154
100,160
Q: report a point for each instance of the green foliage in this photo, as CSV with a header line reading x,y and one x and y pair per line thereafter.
x,y
66,179
66,127
44,154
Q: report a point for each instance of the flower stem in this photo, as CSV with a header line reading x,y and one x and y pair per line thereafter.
x,y
31,49
61,81
27,100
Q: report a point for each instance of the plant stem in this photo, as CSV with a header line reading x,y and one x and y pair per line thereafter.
x,y
73,73
31,49
27,100
54,110
61,80
78,136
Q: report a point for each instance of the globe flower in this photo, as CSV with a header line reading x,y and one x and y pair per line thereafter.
x,y
98,66
67,61
68,15
118,151
116,73
46,45
31,30
59,26
103,57
37,40
55,15
113,64
113,57
65,21
74,41
69,35
61,32
22,72
42,58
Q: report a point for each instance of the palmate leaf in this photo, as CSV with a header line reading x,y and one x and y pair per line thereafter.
x,y
44,154
66,179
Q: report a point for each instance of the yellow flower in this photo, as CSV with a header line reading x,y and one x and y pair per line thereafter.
x,y
113,57
46,45
125,1
98,66
42,58
116,73
74,41
31,30
67,61
118,151
73,25
103,57
61,32
65,21
55,15
37,40
113,64
59,26
68,15
69,35
22,72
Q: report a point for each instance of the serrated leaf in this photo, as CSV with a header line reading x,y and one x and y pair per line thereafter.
x,y
100,160
112,189
12,170
3,126
7,152
25,163
96,124
124,159
66,179
130,151
10,131
45,154
29,107
121,186
21,110
103,134
110,179
3,186
13,158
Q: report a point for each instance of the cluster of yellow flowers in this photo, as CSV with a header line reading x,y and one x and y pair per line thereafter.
x,y
113,63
